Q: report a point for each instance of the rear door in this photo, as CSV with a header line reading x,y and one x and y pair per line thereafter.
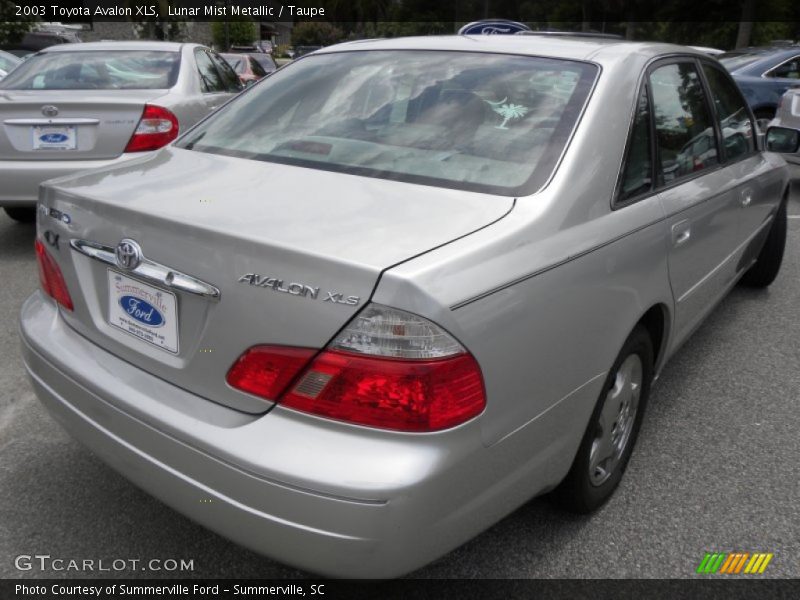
x,y
699,199
744,165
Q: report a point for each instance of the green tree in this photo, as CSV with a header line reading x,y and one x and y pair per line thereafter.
x,y
12,27
241,32
316,34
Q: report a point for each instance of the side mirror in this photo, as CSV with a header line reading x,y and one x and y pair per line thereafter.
x,y
782,139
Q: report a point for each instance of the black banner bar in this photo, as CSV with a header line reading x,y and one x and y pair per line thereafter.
x,y
402,589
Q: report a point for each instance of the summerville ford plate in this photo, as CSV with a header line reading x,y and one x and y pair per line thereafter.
x,y
147,312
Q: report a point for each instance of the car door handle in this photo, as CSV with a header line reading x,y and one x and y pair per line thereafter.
x,y
681,233
745,199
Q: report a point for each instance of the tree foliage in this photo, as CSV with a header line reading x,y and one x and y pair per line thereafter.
x,y
12,27
242,31
316,34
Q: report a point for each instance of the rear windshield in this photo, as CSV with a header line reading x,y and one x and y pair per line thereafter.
x,y
96,70
485,122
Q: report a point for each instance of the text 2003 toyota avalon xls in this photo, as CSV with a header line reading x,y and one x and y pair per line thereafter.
x,y
400,287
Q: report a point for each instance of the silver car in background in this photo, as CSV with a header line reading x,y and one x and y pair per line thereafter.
x,y
783,134
400,287
73,107
8,62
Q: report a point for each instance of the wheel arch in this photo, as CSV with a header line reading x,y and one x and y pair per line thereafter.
x,y
656,322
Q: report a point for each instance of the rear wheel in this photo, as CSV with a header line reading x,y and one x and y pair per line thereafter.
x,y
612,431
22,214
768,264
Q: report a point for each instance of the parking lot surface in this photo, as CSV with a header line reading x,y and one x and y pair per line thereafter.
x,y
716,467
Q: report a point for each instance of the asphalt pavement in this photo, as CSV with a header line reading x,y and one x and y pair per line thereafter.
x,y
716,468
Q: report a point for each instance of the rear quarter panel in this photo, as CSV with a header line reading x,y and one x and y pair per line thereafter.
x,y
546,297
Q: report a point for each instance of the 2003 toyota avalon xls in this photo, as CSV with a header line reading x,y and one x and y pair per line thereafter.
x,y
400,287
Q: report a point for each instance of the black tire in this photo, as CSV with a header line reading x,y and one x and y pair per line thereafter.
x,y
578,493
768,264
21,214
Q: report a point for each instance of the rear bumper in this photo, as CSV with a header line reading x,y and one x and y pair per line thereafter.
x,y
335,499
20,179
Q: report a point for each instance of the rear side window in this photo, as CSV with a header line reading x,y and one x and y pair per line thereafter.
x,y
230,80
788,70
258,71
487,122
210,80
684,129
738,138
637,174
96,70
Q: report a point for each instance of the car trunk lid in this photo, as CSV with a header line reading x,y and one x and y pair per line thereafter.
x,y
69,125
294,253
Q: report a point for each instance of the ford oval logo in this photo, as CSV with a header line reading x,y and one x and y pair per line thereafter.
x,y
142,311
53,138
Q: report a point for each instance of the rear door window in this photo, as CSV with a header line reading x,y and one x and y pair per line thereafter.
x,y
738,137
685,133
211,81
230,80
788,70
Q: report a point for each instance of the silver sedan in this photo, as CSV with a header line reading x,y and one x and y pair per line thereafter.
x,y
400,287
74,107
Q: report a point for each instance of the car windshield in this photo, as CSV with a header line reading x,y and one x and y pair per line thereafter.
x,y
737,60
236,61
96,70
486,122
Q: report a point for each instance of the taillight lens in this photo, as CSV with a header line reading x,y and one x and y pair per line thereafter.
x,y
404,395
157,128
266,370
51,278
388,368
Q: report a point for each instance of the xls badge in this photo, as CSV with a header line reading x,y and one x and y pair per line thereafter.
x,y
297,289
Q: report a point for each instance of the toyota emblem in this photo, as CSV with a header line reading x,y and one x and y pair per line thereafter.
x,y
128,254
49,110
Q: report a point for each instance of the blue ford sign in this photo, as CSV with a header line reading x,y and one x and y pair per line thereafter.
x,y
493,27
141,311
53,138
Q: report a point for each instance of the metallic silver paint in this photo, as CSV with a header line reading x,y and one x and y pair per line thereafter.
x,y
542,290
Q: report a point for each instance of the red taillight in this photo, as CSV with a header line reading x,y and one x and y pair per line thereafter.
x,y
157,128
51,278
404,395
266,370
386,368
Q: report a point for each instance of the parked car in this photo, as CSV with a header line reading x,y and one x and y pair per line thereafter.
x,y
783,135
400,287
299,51
764,74
81,106
7,63
247,68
